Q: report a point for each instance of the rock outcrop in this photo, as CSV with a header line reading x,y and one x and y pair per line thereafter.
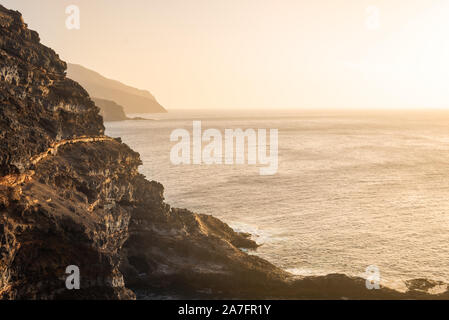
x,y
71,196
109,110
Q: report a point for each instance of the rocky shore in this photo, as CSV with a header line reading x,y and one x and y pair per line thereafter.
x,y
71,196
111,111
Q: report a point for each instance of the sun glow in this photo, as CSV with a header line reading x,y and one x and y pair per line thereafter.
x,y
411,66
250,54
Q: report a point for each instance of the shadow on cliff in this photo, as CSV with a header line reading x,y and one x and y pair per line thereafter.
x,y
85,204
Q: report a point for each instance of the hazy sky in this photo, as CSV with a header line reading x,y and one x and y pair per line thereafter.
x,y
233,54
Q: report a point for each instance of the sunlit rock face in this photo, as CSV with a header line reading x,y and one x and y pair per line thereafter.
x,y
70,196
56,173
39,104
110,110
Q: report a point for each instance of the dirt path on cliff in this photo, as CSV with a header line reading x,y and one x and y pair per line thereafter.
x,y
13,180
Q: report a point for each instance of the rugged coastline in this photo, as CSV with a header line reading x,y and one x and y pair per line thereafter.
x,y
133,100
69,195
111,111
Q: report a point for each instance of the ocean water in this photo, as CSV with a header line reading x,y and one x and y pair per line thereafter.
x,y
353,189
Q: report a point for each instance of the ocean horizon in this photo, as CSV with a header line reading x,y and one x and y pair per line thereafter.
x,y
353,190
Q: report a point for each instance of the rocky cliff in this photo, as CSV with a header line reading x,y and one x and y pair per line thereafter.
x,y
111,111
71,196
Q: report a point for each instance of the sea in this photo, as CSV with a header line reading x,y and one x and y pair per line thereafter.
x,y
354,189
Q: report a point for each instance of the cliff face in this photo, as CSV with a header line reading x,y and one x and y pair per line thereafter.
x,y
110,110
68,194
39,104
133,100
71,196
56,167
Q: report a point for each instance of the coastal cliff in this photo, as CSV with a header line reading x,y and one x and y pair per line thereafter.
x,y
111,111
133,100
69,195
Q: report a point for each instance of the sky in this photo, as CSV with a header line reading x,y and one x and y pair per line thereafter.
x,y
259,54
